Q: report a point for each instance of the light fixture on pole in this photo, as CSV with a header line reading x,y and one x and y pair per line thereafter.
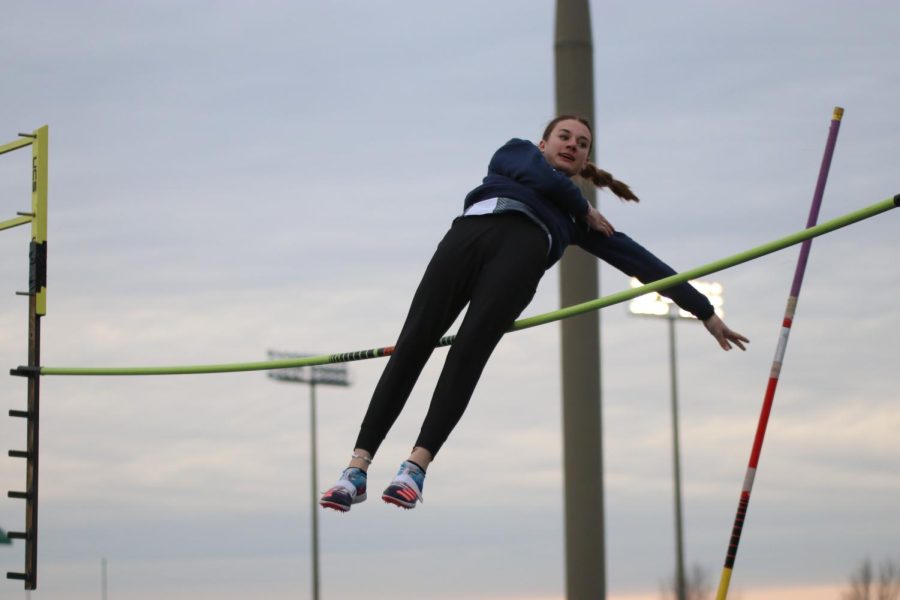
x,y
334,374
655,305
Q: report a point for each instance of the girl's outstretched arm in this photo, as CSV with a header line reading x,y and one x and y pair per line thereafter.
x,y
634,260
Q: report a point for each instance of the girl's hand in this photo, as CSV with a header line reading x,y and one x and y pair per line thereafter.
x,y
598,222
723,334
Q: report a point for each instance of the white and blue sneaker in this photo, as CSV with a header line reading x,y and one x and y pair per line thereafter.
x,y
349,490
406,488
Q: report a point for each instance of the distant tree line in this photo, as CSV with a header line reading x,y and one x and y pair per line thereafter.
x,y
867,582
697,585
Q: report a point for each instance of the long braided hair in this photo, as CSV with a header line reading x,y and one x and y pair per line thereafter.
x,y
592,172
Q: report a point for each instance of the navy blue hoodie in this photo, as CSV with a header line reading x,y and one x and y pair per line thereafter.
x,y
518,170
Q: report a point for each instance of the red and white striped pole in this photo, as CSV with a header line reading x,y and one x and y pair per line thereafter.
x,y
779,359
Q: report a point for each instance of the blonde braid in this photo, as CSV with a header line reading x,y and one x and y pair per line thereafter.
x,y
602,178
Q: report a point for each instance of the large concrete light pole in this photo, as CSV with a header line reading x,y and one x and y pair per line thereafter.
x,y
579,281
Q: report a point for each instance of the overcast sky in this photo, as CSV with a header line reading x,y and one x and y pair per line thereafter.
x,y
228,177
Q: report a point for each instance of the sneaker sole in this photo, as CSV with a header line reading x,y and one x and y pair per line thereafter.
x,y
342,507
334,506
399,502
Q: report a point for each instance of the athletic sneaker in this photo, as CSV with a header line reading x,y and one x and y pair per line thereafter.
x,y
349,490
406,488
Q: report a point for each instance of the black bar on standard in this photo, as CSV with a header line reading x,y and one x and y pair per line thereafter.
x,y
17,535
28,135
21,576
22,495
23,371
19,413
37,255
18,454
24,294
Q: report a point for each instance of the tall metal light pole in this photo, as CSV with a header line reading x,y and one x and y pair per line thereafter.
x,y
654,305
581,392
335,374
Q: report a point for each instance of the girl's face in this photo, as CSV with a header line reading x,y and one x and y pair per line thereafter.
x,y
567,146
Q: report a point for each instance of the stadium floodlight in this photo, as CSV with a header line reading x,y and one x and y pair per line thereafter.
x,y
333,374
655,305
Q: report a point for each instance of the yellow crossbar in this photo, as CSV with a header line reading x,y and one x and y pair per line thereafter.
x,y
16,145
15,222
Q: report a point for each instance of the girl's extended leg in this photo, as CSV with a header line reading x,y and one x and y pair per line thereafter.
x,y
440,297
505,286
514,257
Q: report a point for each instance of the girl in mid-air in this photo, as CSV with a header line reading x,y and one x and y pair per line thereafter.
x,y
514,226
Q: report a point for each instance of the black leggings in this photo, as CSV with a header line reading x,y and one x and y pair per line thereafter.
x,y
493,262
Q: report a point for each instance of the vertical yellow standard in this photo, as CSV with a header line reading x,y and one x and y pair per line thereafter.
x,y
37,308
39,209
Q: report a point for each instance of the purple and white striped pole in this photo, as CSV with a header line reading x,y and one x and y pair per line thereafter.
x,y
779,358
